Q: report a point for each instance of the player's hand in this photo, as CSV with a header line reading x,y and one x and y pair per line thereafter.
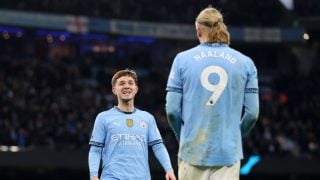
x,y
94,178
170,176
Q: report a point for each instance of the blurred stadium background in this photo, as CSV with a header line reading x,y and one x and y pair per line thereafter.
x,y
57,58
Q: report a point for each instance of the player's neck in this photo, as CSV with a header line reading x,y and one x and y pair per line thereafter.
x,y
126,106
203,39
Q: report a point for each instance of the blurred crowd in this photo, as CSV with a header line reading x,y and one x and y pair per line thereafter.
x,y
50,93
236,12
50,100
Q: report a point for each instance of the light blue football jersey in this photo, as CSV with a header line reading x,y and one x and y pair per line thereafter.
x,y
125,138
213,79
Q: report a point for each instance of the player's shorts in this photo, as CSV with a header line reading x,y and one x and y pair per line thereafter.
x,y
191,172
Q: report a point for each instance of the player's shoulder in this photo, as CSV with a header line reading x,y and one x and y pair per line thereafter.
x,y
238,54
243,58
108,112
144,113
185,55
187,52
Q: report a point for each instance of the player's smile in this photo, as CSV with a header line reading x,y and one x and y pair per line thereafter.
x,y
126,92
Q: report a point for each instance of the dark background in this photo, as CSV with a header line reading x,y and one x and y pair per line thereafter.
x,y
51,90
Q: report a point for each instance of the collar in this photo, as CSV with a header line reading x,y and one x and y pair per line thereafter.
x,y
125,112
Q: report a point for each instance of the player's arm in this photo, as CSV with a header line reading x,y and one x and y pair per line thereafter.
x,y
251,103
251,112
173,111
159,150
96,147
163,157
94,161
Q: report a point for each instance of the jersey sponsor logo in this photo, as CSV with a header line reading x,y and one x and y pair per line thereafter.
x,y
129,122
117,137
128,139
143,124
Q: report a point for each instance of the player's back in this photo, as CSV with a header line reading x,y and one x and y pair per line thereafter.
x,y
213,79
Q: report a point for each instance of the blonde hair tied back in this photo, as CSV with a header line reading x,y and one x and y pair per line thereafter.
x,y
212,19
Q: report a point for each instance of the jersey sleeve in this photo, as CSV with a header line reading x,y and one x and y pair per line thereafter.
x,y
252,83
94,160
98,132
174,80
251,101
154,136
163,157
173,111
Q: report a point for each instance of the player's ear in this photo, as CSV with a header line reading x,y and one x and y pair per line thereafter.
x,y
114,90
199,33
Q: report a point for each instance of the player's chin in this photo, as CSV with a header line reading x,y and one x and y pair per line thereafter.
x,y
127,98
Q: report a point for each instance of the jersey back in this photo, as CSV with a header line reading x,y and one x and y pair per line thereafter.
x,y
212,79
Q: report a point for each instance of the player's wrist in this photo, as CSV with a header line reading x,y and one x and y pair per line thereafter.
x,y
94,177
169,170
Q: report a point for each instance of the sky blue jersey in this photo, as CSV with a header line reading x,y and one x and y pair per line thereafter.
x,y
125,138
213,80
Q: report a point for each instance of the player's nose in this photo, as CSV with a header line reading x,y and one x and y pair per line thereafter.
x,y
127,85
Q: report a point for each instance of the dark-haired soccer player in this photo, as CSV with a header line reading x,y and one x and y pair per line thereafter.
x,y
122,134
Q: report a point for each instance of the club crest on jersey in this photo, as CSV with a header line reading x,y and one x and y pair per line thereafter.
x,y
129,122
143,124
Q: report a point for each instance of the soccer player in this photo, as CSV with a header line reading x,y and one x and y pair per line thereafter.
x,y
122,134
212,102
